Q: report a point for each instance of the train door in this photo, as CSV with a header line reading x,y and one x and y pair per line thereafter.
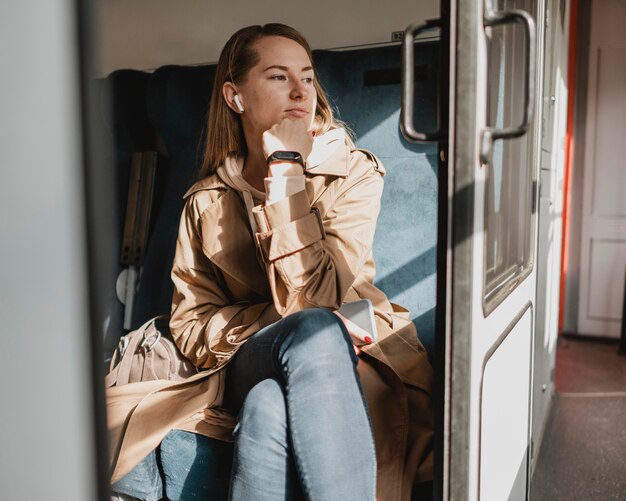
x,y
493,152
550,205
603,232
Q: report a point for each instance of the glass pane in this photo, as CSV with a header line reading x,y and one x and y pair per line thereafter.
x,y
508,206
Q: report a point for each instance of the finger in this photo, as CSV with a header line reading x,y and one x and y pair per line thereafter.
x,y
291,122
359,336
301,125
289,135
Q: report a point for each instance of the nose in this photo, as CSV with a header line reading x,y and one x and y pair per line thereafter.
x,y
299,91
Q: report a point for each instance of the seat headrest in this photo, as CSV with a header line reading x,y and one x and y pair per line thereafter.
x,y
128,120
178,103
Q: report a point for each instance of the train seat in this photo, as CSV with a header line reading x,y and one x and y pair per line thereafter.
x,y
126,123
365,87
177,103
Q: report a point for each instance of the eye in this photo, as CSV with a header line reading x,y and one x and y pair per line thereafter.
x,y
308,80
278,77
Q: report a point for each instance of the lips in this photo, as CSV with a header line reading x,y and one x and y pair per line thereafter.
x,y
298,112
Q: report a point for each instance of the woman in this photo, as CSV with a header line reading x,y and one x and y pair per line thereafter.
x,y
275,236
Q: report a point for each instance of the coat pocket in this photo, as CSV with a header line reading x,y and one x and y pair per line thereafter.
x,y
402,351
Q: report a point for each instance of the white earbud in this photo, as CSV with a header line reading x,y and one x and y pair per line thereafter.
x,y
238,103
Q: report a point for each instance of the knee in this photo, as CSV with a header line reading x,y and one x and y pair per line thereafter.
x,y
318,331
264,412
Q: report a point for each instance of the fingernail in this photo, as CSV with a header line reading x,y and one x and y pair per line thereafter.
x,y
368,339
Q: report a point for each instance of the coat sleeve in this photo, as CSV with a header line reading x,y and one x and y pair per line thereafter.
x,y
206,327
312,259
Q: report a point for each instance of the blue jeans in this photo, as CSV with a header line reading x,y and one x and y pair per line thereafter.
x,y
185,466
303,429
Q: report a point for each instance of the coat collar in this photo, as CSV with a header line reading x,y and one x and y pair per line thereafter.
x,y
211,182
337,164
330,154
330,157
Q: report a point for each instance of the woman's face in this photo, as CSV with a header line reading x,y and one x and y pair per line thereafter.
x,y
279,86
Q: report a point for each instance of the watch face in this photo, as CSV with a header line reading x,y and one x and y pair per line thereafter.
x,y
289,156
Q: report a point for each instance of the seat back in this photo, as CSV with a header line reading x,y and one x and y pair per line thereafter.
x,y
125,120
177,101
364,85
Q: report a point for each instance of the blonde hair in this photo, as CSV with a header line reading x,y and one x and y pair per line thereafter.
x,y
224,132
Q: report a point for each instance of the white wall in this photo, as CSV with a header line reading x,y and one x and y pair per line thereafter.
x,y
146,34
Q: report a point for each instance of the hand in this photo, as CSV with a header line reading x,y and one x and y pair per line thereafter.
x,y
279,169
288,135
358,335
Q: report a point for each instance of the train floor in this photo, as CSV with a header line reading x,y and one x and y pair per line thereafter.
x,y
583,453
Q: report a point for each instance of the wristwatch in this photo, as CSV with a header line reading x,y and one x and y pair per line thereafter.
x,y
286,156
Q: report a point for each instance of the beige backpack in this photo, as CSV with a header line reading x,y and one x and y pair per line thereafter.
x,y
147,354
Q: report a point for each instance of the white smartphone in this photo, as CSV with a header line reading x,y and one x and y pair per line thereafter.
x,y
361,312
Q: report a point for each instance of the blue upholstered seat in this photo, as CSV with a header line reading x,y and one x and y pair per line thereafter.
x,y
406,234
125,120
177,101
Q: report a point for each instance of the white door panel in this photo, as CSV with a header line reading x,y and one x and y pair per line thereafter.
x,y
603,238
487,333
606,258
505,392
609,152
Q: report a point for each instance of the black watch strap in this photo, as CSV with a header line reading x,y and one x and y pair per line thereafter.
x,y
286,156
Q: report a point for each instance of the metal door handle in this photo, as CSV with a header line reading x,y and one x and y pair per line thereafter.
x,y
490,134
408,67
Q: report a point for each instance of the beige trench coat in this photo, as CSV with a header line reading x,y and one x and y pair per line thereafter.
x,y
313,249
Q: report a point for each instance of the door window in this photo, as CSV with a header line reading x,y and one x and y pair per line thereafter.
x,y
509,217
